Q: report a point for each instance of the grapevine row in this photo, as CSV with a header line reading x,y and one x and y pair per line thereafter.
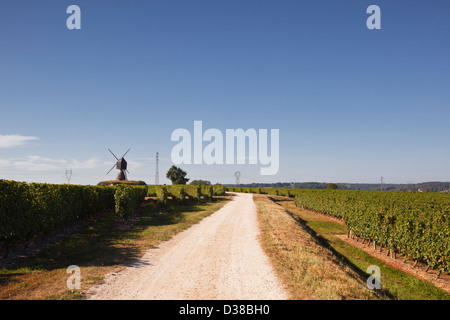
x,y
413,224
28,210
31,209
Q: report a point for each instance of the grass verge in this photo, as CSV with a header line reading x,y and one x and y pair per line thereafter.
x,y
101,248
307,270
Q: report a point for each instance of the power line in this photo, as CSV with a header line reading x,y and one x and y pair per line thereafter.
x,y
68,175
157,169
237,174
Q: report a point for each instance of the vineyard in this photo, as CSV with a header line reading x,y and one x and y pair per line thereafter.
x,y
413,224
28,210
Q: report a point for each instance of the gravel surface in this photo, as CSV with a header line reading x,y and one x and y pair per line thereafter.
x,y
218,258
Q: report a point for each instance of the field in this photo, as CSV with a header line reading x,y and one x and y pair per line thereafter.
x,y
400,280
100,244
413,224
401,230
320,242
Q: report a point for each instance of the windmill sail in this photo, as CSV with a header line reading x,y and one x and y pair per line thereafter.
x,y
121,166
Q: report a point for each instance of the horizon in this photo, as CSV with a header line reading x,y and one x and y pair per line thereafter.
x,y
262,183
351,104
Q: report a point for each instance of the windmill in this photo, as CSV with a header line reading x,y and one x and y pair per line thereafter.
x,y
120,165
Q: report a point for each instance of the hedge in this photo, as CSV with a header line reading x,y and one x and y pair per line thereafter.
x,y
128,198
31,209
28,210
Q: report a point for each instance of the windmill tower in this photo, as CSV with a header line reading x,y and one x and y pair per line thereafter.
x,y
120,165
157,169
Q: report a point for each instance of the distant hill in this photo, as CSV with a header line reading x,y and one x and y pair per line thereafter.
x,y
422,187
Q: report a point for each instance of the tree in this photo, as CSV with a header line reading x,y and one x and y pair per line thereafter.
x,y
332,186
200,182
176,175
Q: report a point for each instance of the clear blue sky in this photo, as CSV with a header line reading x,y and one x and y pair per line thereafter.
x,y
351,104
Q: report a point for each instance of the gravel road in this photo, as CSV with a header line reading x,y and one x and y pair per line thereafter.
x,y
218,258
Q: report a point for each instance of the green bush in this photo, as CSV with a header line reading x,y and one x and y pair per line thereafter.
x,y
161,196
151,191
128,199
219,190
178,192
207,192
194,192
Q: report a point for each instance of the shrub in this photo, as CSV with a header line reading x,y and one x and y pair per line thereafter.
x,y
194,192
161,196
128,199
219,190
151,191
207,192
178,193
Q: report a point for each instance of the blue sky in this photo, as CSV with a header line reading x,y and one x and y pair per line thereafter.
x,y
351,104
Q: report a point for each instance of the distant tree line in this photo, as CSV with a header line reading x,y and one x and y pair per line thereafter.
x,y
200,182
423,187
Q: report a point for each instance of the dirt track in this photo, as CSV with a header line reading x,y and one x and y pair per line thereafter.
x,y
219,258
